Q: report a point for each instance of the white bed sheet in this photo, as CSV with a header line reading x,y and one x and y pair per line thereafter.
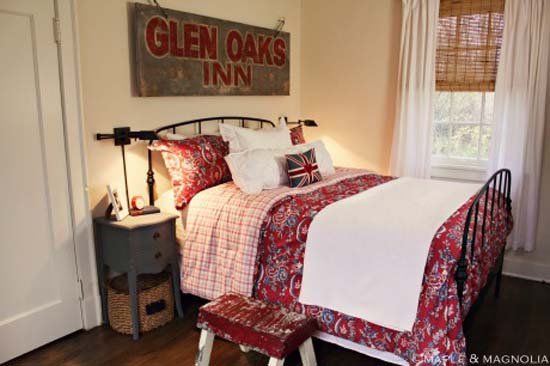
x,y
377,228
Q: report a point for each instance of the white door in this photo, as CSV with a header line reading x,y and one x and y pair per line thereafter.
x,y
39,293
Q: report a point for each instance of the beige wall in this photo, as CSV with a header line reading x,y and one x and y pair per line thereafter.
x,y
107,83
349,77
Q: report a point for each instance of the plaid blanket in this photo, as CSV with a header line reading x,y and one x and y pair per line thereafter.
x,y
220,249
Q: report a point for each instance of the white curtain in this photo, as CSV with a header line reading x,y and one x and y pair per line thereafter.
x,y
520,102
412,138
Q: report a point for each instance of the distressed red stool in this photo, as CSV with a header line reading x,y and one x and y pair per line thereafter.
x,y
265,328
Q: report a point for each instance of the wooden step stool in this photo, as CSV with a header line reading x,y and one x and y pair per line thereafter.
x,y
265,328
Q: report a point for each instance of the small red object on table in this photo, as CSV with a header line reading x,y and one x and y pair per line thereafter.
x,y
266,328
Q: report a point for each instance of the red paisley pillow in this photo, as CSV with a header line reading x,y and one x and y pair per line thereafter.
x,y
194,164
297,135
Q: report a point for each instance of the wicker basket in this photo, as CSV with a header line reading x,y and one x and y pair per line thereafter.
x,y
155,302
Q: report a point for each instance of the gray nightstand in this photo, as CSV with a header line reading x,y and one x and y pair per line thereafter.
x,y
135,245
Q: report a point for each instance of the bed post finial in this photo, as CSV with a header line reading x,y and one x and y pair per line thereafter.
x,y
150,179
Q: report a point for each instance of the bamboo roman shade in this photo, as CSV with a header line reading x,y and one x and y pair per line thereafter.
x,y
469,38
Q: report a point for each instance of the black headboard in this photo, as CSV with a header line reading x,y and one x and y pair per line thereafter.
x,y
243,122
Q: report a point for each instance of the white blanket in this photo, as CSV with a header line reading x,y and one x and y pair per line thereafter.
x,y
365,255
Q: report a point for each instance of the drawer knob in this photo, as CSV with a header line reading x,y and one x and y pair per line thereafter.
x,y
156,235
158,255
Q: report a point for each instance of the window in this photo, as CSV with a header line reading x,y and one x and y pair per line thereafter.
x,y
462,128
469,39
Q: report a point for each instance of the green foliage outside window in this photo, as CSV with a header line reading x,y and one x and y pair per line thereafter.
x,y
462,128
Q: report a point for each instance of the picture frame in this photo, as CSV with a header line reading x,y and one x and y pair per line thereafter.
x,y
117,201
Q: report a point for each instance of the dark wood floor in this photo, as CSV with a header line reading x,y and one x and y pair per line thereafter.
x,y
517,323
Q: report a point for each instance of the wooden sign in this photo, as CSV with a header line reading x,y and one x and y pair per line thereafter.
x,y
189,54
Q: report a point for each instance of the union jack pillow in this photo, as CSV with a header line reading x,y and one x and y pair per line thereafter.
x,y
302,169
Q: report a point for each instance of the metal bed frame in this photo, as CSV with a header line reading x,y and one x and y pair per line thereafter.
x,y
500,181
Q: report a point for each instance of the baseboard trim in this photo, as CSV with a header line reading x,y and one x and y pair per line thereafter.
x,y
91,312
523,277
526,268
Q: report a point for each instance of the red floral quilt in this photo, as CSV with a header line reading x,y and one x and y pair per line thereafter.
x,y
437,337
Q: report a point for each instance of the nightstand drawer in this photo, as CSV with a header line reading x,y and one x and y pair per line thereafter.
x,y
154,246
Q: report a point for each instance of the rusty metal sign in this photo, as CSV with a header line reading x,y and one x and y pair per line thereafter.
x,y
189,54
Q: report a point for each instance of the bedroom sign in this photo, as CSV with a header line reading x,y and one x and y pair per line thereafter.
x,y
189,54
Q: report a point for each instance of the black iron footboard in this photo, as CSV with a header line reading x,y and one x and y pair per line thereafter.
x,y
497,190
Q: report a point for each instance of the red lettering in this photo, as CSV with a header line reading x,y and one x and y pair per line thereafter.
x,y
190,40
175,49
223,74
263,50
250,49
156,35
205,74
208,42
241,75
234,39
279,48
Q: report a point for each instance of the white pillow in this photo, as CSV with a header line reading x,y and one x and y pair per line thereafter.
x,y
257,169
242,139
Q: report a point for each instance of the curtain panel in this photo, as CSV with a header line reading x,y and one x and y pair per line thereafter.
x,y
412,140
519,115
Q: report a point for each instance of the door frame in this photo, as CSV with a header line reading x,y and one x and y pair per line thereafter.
x,y
73,124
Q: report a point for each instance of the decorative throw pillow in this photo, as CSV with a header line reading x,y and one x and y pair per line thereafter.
x,y
297,135
194,164
302,169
